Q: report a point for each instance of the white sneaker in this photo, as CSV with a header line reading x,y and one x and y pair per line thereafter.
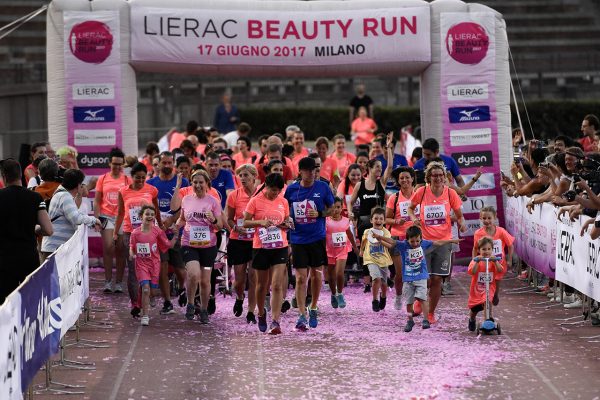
x,y
108,288
553,292
398,303
568,298
575,304
118,287
145,320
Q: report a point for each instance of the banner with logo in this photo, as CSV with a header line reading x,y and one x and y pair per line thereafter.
x,y
10,348
71,268
468,105
40,320
273,38
93,86
577,258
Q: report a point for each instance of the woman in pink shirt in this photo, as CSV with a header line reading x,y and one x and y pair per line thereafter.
x,y
131,200
345,189
106,207
363,128
342,158
200,215
436,200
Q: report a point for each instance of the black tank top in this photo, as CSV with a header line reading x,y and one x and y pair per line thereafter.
x,y
370,198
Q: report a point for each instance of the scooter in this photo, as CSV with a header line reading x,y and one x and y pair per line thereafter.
x,y
489,325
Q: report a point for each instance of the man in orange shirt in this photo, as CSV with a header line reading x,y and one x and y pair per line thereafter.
x,y
329,169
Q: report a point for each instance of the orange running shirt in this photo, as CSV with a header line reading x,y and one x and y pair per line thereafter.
x,y
133,201
276,211
435,212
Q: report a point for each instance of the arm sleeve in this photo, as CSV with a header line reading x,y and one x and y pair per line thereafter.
x,y
229,181
72,213
455,201
163,242
133,240
470,268
250,207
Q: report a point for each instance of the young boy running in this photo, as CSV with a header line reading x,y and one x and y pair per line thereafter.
x,y
414,270
477,296
376,257
144,245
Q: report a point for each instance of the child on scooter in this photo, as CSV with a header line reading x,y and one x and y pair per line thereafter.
x,y
477,295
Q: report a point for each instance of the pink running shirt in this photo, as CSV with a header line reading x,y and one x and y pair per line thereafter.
x,y
198,231
435,212
336,240
109,187
133,201
276,211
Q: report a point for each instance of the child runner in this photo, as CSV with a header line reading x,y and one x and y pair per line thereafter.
x,y
145,245
414,270
477,270
339,242
376,257
502,240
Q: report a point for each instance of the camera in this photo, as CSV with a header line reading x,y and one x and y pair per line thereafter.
x,y
569,196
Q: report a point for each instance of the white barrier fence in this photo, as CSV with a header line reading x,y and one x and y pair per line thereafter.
x,y
555,247
36,316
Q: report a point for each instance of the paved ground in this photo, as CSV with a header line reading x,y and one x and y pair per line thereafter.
x,y
353,354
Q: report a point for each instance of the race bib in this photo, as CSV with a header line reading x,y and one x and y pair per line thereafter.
x,y
339,239
484,277
301,209
271,237
249,232
435,215
134,216
200,236
143,249
414,258
498,248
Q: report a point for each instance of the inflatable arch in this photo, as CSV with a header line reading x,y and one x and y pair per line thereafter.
x,y
460,51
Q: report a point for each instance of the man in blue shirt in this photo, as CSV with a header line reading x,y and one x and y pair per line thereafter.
x,y
309,202
399,161
220,179
165,182
431,150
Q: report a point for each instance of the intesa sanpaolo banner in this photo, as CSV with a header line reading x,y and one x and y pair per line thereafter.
x,y
468,106
272,38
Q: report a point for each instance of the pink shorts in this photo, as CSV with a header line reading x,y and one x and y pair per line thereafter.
x,y
332,260
145,273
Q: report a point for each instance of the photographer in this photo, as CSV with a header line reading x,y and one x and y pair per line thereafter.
x,y
538,183
570,179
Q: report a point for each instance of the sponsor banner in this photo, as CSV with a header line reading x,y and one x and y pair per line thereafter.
x,y
474,159
470,137
94,114
93,91
486,181
272,38
460,115
10,348
93,160
474,204
468,91
70,264
93,80
95,137
40,320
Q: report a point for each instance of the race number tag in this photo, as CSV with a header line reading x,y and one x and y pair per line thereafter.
x,y
403,206
248,233
271,237
339,239
498,248
483,277
134,216
200,236
301,209
435,215
143,249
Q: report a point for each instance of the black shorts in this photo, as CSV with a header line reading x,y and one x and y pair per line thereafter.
x,y
477,308
204,255
173,256
263,259
239,251
311,255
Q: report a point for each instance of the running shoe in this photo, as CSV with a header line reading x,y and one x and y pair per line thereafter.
x,y
417,310
398,303
285,306
182,300
262,322
447,289
212,305
301,323
268,302
167,308
367,289
108,287
576,304
275,329
250,318
118,287
190,312
409,325
431,318
382,303
472,324
145,321
204,317
425,324
152,301
334,301
238,307
135,312
375,305
312,318
341,300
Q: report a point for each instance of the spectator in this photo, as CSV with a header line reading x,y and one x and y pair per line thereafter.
x,y
226,115
23,214
67,157
589,126
50,179
360,100
37,149
36,180
517,139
